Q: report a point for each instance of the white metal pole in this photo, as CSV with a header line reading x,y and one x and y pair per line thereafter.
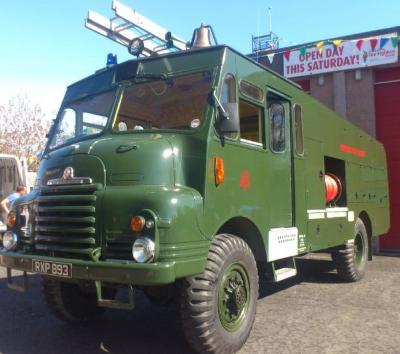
x,y
270,20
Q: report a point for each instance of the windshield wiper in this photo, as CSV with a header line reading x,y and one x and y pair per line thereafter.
x,y
150,77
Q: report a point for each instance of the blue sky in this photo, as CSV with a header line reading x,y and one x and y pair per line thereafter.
x,y
45,46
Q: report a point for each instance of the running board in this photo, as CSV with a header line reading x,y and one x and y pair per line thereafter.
x,y
284,269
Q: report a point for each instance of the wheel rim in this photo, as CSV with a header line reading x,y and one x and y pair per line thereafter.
x,y
359,250
233,297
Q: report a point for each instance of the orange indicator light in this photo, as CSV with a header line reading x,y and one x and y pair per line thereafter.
x,y
219,171
137,223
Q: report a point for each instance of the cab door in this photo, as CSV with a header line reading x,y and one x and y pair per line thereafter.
x,y
280,182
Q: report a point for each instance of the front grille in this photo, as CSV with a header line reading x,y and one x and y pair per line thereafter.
x,y
65,222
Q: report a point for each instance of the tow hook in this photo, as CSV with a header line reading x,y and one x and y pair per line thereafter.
x,y
115,304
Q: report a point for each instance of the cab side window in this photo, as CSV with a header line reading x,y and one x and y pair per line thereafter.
x,y
250,123
228,95
277,127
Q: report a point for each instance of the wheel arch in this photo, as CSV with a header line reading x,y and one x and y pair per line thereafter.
x,y
245,229
368,225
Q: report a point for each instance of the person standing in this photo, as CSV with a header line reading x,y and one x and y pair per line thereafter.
x,y
6,203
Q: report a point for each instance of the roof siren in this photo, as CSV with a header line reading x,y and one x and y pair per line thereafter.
x,y
202,37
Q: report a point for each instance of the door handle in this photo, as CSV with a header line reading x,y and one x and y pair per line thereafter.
x,y
125,148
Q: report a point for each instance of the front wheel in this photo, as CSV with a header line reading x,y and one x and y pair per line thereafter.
x,y
218,306
351,262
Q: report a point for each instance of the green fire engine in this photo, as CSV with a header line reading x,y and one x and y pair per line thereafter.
x,y
184,175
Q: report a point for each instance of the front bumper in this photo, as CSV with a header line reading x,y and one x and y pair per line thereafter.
x,y
113,272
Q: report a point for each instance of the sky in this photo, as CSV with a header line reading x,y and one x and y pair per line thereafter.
x,y
44,45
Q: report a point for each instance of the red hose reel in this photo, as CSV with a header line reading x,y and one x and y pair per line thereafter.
x,y
333,188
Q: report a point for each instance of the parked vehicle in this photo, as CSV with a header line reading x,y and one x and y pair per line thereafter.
x,y
13,172
184,175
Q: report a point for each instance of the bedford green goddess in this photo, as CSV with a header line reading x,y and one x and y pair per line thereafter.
x,y
184,175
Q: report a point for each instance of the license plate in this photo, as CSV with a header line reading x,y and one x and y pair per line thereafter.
x,y
52,268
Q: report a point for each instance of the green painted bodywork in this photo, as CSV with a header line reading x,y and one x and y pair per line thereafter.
x,y
178,189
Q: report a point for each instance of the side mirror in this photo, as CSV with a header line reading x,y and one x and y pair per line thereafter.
x,y
228,119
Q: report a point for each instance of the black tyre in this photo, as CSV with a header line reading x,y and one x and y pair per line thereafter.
x,y
70,302
218,306
351,261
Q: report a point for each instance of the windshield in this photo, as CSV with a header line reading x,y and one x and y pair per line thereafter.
x,y
81,118
175,103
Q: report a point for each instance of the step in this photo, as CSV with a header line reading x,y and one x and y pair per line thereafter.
x,y
284,273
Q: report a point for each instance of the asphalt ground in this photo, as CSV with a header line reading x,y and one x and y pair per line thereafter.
x,y
312,313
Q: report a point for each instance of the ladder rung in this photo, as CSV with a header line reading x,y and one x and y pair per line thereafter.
x,y
132,25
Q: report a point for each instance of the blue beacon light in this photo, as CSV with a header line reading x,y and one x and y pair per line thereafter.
x,y
111,60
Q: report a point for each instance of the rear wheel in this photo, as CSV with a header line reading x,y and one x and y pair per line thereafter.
x,y
72,302
351,261
218,306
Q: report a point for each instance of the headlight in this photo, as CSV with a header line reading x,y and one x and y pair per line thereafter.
x,y
143,250
10,240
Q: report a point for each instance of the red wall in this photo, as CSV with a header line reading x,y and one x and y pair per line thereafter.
x,y
305,84
387,110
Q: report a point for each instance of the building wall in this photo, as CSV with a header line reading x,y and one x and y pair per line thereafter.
x,y
360,106
322,88
341,91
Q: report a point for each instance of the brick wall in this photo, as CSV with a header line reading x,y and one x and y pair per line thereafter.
x,y
360,99
322,92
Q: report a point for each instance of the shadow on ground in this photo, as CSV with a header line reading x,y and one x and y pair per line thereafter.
x,y
309,271
28,327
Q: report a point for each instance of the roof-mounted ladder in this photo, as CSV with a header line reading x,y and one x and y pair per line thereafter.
x,y
139,34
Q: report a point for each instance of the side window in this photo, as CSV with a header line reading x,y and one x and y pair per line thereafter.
x,y
250,90
277,127
250,122
228,95
66,129
93,123
298,124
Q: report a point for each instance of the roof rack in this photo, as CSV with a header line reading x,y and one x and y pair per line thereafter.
x,y
139,34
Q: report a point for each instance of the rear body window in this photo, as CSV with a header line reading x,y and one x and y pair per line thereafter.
x,y
298,125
